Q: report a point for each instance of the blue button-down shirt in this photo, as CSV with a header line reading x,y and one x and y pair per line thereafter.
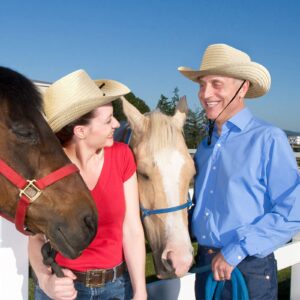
x,y
247,189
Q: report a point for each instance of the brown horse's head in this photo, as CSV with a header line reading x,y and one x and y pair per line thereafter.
x,y
65,211
165,169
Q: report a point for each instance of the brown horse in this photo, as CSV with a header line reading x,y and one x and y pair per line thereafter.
x,y
165,169
64,211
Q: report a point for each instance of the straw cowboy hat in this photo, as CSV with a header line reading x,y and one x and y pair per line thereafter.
x,y
76,94
221,59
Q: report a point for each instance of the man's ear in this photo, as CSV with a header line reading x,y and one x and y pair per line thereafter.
x,y
245,89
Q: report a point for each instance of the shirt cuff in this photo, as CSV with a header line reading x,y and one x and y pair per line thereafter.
x,y
233,254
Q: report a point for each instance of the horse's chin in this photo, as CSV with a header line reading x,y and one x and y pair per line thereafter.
x,y
163,268
66,250
63,245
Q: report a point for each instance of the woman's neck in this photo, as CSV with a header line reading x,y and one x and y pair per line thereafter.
x,y
82,156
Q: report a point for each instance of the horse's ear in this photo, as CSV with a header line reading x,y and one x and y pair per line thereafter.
x,y
134,117
181,112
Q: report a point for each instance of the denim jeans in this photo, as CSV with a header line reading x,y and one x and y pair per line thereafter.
x,y
260,275
120,289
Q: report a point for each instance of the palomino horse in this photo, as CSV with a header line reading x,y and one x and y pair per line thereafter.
x,y
56,202
165,169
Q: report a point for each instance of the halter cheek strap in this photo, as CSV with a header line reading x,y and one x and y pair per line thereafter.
x,y
148,212
30,190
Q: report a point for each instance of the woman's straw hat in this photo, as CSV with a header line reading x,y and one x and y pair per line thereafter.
x,y
221,59
76,94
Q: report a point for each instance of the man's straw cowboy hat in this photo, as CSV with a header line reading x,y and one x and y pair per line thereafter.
x,y
76,94
221,59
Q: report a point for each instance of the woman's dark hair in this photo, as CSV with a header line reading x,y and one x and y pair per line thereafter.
x,y
66,133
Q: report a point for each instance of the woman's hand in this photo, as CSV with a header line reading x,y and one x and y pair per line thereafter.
x,y
59,288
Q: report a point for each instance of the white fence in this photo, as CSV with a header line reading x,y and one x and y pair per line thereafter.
x,y
13,263
14,270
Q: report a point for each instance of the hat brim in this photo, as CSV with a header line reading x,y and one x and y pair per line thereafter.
x,y
256,74
112,88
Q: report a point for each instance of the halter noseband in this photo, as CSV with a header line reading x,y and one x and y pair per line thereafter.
x,y
147,212
30,190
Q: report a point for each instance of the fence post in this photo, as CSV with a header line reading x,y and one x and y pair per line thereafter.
x,y
295,276
13,262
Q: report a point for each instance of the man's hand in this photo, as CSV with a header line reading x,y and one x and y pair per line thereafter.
x,y
221,269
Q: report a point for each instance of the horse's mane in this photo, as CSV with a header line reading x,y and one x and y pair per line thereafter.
x,y
162,132
20,94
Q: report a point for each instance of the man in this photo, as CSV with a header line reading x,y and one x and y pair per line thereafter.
x,y
247,186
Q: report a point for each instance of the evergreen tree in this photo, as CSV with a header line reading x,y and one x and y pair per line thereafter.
x,y
194,128
136,101
164,105
174,100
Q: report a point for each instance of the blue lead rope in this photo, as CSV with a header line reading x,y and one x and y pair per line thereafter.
x,y
213,288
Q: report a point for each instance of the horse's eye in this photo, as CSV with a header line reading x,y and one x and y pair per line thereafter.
x,y
143,175
25,134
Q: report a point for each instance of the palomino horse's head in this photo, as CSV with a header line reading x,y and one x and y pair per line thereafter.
x,y
165,169
64,211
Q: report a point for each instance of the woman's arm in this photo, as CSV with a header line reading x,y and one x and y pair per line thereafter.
x,y
133,239
54,287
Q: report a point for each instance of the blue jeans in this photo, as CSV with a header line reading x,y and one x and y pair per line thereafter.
x,y
120,289
260,275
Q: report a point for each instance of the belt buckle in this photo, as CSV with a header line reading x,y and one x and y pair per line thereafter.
x,y
93,276
115,273
211,251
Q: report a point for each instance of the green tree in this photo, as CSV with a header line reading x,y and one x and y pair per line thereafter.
x,y
175,99
194,128
164,105
136,101
167,106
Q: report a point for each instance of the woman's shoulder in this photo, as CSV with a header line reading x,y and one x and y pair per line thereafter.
x,y
119,149
119,146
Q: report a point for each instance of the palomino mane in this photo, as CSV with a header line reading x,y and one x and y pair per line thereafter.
x,y
19,93
162,132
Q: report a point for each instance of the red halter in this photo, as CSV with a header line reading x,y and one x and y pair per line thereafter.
x,y
30,190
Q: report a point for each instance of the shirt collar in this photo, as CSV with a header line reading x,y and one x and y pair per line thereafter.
x,y
241,119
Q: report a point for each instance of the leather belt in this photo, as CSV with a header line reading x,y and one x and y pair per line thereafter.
x,y
98,277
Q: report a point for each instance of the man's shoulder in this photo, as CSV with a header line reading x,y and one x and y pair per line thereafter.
x,y
266,129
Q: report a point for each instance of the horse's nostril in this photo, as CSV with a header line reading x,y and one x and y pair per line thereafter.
x,y
168,265
90,222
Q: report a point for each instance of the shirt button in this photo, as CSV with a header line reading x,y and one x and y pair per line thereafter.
x,y
267,277
206,214
239,257
213,167
204,236
219,145
211,191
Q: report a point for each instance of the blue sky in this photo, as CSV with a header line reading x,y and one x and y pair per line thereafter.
x,y
141,43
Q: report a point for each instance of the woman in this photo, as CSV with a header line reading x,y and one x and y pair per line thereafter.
x,y
81,114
